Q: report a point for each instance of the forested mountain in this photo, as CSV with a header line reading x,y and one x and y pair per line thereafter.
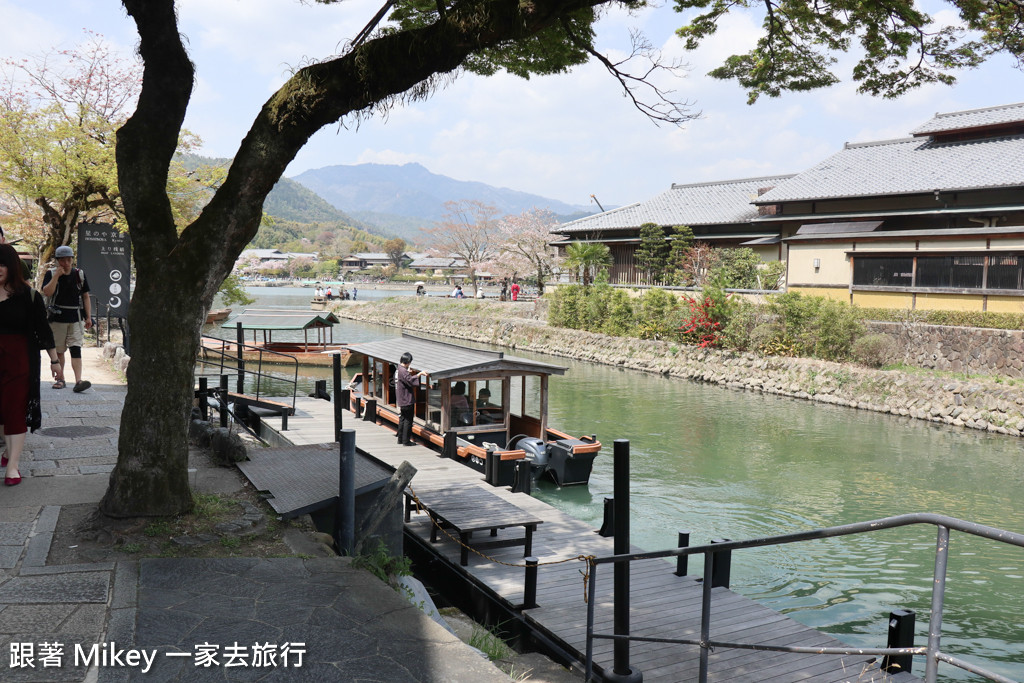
x,y
408,197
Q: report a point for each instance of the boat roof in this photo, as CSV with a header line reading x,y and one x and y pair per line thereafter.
x,y
282,319
442,360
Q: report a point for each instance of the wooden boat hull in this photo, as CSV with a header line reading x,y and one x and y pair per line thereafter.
x,y
217,316
311,355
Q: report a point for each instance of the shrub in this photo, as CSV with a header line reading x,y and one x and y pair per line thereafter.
x,y
698,326
621,319
816,326
874,350
741,323
658,314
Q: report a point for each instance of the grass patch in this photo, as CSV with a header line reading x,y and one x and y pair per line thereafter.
x,y
490,643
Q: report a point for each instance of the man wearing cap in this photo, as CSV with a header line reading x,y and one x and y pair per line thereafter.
x,y
68,290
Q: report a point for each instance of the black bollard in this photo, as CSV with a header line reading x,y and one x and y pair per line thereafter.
x,y
901,634
340,394
345,514
621,671
524,482
608,525
530,584
370,415
722,567
451,445
491,467
681,561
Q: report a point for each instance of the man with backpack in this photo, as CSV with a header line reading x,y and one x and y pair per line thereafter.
x,y
67,291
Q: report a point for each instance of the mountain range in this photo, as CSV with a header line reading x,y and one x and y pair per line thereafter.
x,y
403,199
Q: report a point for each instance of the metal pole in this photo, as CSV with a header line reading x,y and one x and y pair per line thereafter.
x,y
705,616
621,671
336,368
240,338
223,400
345,527
591,597
931,669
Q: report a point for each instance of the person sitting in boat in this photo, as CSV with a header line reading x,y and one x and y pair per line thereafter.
x,y
460,413
486,412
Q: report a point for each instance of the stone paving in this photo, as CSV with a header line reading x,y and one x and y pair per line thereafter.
x,y
245,619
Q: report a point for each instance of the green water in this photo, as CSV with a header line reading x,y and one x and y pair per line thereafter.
x,y
728,464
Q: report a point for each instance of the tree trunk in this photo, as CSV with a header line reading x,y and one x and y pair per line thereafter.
x,y
151,476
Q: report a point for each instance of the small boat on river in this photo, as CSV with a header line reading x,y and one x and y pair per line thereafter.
x,y
485,408
217,315
263,322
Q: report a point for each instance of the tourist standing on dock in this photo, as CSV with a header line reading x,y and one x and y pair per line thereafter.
x,y
405,387
23,332
69,292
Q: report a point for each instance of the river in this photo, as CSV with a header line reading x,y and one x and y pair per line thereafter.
x,y
730,464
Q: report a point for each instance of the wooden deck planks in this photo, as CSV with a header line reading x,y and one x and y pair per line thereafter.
x,y
661,604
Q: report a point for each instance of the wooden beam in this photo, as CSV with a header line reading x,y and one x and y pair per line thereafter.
x,y
389,497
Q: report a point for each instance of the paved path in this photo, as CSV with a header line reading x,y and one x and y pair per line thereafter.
x,y
255,618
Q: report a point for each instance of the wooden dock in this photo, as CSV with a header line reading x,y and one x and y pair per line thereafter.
x,y
662,605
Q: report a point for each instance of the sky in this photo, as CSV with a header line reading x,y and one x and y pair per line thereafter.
x,y
567,137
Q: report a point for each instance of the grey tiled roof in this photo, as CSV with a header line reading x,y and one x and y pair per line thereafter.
x,y
972,118
907,166
699,204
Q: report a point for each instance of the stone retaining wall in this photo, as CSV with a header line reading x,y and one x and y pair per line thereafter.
x,y
957,349
976,403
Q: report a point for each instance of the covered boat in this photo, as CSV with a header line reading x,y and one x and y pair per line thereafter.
x,y
264,322
492,408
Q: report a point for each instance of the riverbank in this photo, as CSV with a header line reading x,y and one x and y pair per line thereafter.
x,y
991,404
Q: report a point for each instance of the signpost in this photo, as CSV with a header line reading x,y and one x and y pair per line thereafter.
x,y
106,257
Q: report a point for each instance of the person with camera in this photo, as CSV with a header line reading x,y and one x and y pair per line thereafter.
x,y
68,293
23,333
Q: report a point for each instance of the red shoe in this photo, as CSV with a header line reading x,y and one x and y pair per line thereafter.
x,y
13,481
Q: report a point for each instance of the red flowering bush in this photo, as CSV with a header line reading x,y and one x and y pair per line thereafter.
x,y
699,327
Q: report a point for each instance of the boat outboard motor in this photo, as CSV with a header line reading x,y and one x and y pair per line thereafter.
x,y
536,453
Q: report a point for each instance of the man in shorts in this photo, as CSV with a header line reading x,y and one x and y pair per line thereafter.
x,y
68,290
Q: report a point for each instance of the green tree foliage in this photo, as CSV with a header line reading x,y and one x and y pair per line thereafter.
x,y
900,46
395,249
586,259
680,240
738,268
652,253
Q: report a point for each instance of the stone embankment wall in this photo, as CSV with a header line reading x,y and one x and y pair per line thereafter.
x,y
976,403
952,349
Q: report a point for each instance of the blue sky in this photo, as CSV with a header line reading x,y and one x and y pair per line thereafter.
x,y
565,137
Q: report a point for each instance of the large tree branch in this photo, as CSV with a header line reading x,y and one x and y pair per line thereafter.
x,y
147,141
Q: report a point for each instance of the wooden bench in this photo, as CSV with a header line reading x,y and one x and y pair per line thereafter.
x,y
466,508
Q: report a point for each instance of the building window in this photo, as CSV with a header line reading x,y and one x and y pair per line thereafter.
x,y
886,271
960,272
1006,272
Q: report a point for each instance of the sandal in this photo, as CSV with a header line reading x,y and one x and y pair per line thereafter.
x,y
59,384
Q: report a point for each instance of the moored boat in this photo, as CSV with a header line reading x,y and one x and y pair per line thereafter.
x,y
217,315
263,322
484,408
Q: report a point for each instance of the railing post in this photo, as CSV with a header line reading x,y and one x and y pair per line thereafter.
x,y
621,671
491,467
901,634
931,669
722,566
371,410
284,420
681,561
223,400
338,391
359,407
203,411
608,525
705,616
344,525
240,339
530,584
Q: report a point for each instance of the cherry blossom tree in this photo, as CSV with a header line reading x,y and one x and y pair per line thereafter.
x,y
525,244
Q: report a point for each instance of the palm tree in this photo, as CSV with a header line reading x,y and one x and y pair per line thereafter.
x,y
587,258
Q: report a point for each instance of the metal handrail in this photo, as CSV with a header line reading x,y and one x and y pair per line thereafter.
x,y
224,355
932,652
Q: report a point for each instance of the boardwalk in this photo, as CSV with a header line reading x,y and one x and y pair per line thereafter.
x,y
663,605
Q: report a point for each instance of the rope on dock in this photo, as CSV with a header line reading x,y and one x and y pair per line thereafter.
x,y
582,558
